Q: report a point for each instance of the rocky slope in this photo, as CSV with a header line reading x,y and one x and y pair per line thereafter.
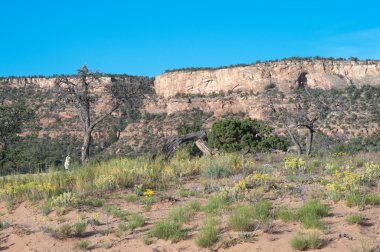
x,y
181,94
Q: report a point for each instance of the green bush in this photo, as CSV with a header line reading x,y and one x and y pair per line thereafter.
x,y
231,135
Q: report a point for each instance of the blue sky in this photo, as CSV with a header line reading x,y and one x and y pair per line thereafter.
x,y
148,37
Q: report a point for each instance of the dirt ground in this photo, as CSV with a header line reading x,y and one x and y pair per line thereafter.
x,y
26,221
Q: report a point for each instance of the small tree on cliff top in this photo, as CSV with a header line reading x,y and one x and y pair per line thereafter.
x,y
78,92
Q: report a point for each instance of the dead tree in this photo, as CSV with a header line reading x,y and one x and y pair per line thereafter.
x,y
197,137
307,109
78,92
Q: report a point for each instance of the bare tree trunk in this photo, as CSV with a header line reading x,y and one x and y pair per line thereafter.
x,y
294,140
85,152
309,141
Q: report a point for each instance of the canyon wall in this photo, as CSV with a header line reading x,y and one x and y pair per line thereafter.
x,y
285,75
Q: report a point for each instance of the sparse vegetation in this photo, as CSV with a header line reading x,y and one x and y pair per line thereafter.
x,y
82,244
208,235
354,219
135,221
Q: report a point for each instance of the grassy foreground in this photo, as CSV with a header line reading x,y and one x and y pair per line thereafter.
x,y
230,193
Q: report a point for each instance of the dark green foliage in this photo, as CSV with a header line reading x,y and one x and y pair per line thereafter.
x,y
232,135
184,129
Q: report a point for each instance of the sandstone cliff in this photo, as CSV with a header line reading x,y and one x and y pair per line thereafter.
x,y
286,75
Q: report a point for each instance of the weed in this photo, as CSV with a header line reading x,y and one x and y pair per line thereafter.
x,y
45,209
79,227
355,198
194,205
214,204
46,229
298,242
311,212
354,219
64,230
148,202
262,210
92,202
241,219
314,241
208,235
167,229
82,244
183,192
135,221
286,214
122,227
116,212
4,225
66,199
216,171
130,198
182,214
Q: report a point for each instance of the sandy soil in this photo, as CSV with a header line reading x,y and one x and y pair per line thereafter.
x,y
24,233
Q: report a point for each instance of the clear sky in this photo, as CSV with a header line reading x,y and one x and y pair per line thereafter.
x,y
148,37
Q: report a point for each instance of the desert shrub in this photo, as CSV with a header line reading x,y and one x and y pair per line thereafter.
x,y
122,227
66,199
46,208
232,135
106,182
298,242
167,229
82,244
79,227
214,204
64,231
354,219
4,225
182,214
286,214
116,212
208,235
314,241
216,171
262,210
183,192
356,198
92,202
130,198
311,212
241,218
135,221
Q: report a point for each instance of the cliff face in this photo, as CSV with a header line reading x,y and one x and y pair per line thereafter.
x,y
215,93
286,75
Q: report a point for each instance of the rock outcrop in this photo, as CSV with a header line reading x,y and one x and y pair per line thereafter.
x,y
285,75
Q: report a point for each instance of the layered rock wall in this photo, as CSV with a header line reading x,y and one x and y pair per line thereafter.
x,y
285,75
